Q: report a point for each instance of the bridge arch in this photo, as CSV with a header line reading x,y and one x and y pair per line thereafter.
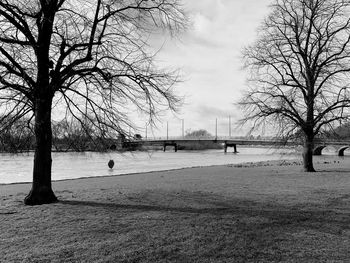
x,y
342,149
318,149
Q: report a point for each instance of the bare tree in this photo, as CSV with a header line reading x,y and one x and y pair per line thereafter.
x,y
16,135
79,136
198,133
299,70
88,57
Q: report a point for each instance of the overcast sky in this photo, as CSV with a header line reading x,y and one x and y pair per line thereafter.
x,y
209,55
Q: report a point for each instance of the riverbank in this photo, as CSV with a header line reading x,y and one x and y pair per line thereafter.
x,y
73,165
266,211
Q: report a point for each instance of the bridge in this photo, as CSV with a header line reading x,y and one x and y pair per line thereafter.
x,y
229,142
340,146
225,141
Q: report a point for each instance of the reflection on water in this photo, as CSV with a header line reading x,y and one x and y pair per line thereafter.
x,y
18,168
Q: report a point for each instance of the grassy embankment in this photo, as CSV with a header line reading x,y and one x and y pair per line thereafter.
x,y
249,213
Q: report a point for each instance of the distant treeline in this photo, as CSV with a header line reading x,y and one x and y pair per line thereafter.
x,y
67,136
199,145
340,133
73,136
17,136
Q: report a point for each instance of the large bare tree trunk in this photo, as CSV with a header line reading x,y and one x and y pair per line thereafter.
x,y
41,192
308,153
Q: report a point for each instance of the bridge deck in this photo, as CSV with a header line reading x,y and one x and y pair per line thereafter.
x,y
228,142
231,141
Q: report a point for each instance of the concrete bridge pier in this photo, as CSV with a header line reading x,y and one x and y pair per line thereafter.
x,y
170,144
226,145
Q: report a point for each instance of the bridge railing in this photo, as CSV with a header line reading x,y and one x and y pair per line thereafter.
x,y
241,138
220,138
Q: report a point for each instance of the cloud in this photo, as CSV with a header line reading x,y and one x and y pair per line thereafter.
x,y
225,22
209,54
208,111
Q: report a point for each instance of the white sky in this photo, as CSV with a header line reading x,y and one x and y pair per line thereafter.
x,y
209,55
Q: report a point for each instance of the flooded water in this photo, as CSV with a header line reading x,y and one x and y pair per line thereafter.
x,y
18,167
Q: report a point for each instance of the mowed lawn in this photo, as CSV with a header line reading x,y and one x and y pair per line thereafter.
x,y
268,213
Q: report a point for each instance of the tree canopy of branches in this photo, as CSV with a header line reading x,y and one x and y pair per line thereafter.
x,y
341,132
198,133
87,59
299,70
78,136
16,136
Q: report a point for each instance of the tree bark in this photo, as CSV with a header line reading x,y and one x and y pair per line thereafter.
x,y
308,153
41,192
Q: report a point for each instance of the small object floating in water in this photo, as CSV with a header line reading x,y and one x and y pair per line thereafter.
x,y
110,164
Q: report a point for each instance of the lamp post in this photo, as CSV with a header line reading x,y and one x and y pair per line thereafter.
x,y
167,130
229,126
183,128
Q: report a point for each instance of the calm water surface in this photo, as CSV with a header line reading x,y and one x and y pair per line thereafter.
x,y
18,167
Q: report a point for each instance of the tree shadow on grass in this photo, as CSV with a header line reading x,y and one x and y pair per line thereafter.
x,y
340,171
146,208
274,215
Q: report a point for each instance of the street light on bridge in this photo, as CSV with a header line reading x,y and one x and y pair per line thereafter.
x,y
229,126
167,130
183,128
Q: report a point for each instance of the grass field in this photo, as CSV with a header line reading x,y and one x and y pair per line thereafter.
x,y
262,213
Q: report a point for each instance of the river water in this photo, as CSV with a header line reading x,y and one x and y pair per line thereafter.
x,y
17,168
